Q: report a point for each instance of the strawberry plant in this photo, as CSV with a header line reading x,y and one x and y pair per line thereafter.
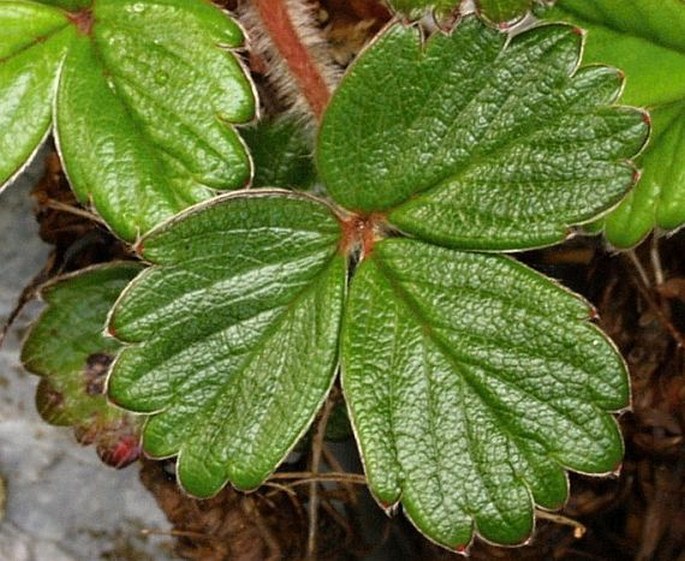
x,y
472,382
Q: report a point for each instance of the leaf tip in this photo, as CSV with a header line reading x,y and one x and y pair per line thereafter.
x,y
110,331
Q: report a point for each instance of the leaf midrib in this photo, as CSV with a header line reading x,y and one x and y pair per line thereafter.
x,y
449,353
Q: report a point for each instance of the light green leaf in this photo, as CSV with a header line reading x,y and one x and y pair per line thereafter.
x,y
659,197
68,349
281,151
415,8
234,334
33,40
646,39
503,10
472,383
475,142
142,111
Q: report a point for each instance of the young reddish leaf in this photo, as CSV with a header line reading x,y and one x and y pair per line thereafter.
x,y
472,383
68,349
645,39
476,141
233,334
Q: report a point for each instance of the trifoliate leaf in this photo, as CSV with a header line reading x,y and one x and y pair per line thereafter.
x,y
234,334
282,154
472,383
33,40
646,39
68,349
147,92
499,11
475,141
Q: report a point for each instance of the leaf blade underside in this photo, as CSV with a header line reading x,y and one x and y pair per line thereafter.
x,y
476,143
235,335
472,382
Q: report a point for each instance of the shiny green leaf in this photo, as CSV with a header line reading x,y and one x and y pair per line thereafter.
x,y
147,92
33,40
143,109
281,151
473,382
234,334
473,141
646,39
67,347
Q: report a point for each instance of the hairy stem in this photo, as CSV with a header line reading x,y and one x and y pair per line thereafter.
x,y
279,26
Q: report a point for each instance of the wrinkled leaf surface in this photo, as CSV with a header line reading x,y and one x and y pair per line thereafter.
x,y
472,383
234,334
470,142
646,40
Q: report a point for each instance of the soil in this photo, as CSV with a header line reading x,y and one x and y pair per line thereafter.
x,y
637,515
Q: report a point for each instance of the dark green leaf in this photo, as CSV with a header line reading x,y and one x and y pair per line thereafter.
x,y
234,334
472,383
68,349
282,154
475,142
33,40
646,39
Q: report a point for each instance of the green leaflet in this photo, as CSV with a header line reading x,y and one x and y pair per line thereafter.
x,y
646,39
472,382
33,39
235,333
503,10
659,198
282,154
490,147
146,93
68,349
